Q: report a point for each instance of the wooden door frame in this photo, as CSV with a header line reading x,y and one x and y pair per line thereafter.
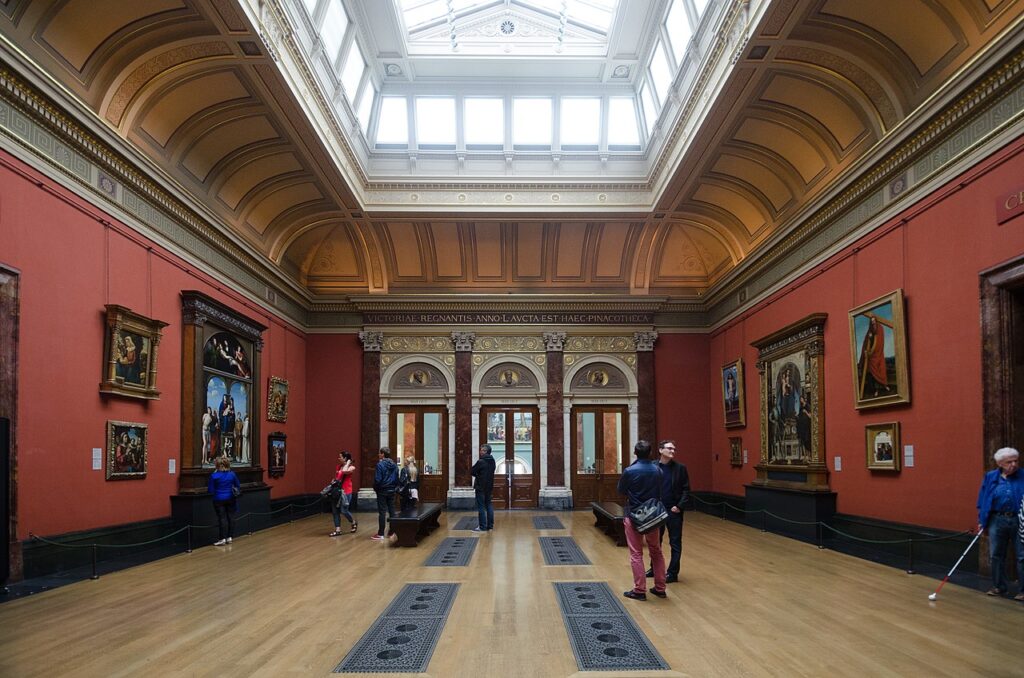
x,y
485,409
10,279
419,410
622,408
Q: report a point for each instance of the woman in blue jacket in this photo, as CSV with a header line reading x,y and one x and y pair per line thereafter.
x,y
220,486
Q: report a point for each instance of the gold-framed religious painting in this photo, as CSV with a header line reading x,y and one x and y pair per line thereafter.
x,y
883,446
130,353
277,400
277,453
736,451
127,450
733,403
878,348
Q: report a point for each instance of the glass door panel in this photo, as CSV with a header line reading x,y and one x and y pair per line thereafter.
x,y
422,433
586,451
599,440
514,445
432,463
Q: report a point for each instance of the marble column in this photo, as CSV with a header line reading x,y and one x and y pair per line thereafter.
x,y
463,406
647,422
554,343
369,418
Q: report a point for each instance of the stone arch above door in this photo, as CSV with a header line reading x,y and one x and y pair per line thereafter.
x,y
508,377
599,377
418,377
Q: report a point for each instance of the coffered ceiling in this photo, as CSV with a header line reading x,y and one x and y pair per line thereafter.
x,y
815,93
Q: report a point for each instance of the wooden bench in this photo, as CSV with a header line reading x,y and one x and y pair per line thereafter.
x,y
416,522
609,517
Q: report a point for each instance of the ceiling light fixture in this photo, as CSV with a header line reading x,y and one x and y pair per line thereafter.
x,y
451,27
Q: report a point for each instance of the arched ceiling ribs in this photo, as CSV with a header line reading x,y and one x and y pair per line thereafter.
x,y
283,200
222,136
731,198
724,224
799,142
753,180
780,168
246,172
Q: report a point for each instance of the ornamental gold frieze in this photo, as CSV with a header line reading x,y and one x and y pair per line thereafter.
x,y
509,345
417,345
629,359
538,359
599,344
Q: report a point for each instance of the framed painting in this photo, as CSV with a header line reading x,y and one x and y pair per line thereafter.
x,y
277,453
878,348
277,400
127,450
792,397
736,451
883,446
733,403
129,354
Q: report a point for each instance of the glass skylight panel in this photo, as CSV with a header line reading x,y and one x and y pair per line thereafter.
x,y
678,28
595,14
393,127
435,122
661,73
332,32
580,125
421,12
366,107
310,6
531,123
650,109
484,122
701,5
352,71
623,131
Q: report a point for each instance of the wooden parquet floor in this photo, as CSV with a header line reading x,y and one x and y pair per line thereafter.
x,y
290,601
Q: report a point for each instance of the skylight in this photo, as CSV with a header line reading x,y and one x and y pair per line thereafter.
x,y
677,27
623,133
393,127
435,122
421,13
531,123
661,73
484,122
593,14
580,123
352,71
332,32
366,107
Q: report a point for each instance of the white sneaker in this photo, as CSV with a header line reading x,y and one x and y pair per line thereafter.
x,y
220,542
229,540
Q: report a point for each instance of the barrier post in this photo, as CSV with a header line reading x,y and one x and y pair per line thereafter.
x,y
764,520
910,557
188,538
821,543
94,574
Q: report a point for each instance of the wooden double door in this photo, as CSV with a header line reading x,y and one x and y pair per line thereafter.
x,y
599,440
513,432
422,431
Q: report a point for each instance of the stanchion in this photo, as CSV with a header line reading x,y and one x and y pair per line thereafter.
x,y
291,519
188,538
821,543
910,555
250,525
95,575
764,520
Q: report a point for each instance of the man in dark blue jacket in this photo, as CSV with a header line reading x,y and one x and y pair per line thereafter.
x,y
675,491
385,484
639,482
999,500
483,486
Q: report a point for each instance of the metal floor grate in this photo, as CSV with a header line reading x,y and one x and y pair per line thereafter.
x,y
466,523
452,552
562,551
403,638
602,634
547,523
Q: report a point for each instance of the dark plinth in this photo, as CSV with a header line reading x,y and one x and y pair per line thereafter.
x,y
801,506
197,510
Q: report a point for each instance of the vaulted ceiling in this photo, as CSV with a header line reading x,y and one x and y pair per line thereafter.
x,y
819,90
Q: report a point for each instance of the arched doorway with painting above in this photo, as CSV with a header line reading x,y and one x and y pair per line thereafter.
x,y
601,420
510,422
416,402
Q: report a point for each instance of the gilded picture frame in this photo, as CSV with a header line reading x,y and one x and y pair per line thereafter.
x,y
733,399
736,451
127,450
277,454
130,354
882,445
277,400
878,351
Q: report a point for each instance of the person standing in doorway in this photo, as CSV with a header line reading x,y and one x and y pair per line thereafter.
x,y
385,484
483,487
640,482
675,491
999,500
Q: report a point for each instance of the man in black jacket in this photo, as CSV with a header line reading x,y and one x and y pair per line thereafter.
x,y
483,486
385,484
675,490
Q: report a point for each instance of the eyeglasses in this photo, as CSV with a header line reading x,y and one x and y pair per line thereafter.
x,y
669,448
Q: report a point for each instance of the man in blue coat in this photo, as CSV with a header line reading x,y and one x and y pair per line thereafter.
x,y
639,482
999,500
385,484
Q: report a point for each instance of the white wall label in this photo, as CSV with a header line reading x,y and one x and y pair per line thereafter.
x,y
744,456
97,459
171,465
908,456
839,463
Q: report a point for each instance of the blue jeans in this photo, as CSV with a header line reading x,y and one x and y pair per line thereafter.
x,y
484,510
1003,529
340,508
674,527
385,504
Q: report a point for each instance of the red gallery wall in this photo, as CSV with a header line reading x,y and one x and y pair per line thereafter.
x,y
934,251
71,264
681,386
334,367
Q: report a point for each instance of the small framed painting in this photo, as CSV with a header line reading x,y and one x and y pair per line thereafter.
x,y
883,446
736,451
277,454
277,400
127,450
732,395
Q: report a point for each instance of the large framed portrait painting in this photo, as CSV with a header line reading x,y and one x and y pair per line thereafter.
x,y
792,395
130,353
878,347
732,395
127,450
